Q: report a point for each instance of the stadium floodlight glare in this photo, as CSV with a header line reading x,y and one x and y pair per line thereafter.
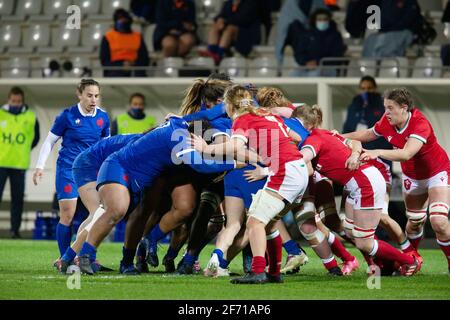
x,y
15,71
264,70
116,4
363,69
86,4
394,69
57,4
233,72
7,37
207,3
1,5
169,70
28,5
428,72
66,36
36,36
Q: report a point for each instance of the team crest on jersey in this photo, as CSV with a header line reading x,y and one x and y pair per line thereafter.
x,y
68,188
77,122
407,183
100,122
389,138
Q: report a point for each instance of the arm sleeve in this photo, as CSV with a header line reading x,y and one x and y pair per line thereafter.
x,y
210,114
194,159
377,128
114,128
312,144
46,148
106,132
37,135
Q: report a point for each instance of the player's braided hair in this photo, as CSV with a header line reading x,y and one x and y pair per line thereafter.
x,y
202,91
269,97
310,116
86,83
241,101
401,96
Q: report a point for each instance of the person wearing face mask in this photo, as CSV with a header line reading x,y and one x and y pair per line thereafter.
x,y
134,120
19,134
322,40
123,47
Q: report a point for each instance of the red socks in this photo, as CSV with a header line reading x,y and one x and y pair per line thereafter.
x,y
387,252
258,264
338,249
274,252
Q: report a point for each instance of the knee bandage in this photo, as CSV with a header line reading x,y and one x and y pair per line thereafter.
x,y
306,211
348,225
217,219
438,209
316,236
97,214
363,233
265,207
212,198
416,217
327,209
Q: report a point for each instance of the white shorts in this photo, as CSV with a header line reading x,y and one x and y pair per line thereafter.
x,y
367,189
317,177
290,181
412,186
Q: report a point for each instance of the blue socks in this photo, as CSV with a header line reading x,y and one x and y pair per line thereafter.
x,y
63,236
172,253
189,260
292,248
128,256
69,255
222,262
155,235
90,250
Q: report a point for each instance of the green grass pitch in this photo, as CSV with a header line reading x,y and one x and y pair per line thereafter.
x,y
26,272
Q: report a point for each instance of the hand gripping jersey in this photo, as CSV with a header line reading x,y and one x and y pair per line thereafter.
x,y
162,148
431,158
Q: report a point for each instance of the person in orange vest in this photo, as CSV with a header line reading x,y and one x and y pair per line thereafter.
x,y
123,47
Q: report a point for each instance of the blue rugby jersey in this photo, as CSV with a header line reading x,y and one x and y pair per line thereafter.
x,y
79,132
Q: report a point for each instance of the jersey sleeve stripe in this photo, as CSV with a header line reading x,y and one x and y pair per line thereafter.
x,y
239,136
375,132
221,133
179,154
416,136
310,147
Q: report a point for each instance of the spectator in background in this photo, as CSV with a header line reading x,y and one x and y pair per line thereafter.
x,y
239,24
399,20
19,133
145,9
123,47
356,16
176,26
293,10
365,110
134,120
322,40
332,5
445,49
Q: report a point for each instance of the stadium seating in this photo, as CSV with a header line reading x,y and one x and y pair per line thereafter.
x,y
289,66
394,68
80,67
62,38
24,9
109,6
169,67
56,7
6,7
91,37
17,67
427,67
361,67
89,7
10,36
263,67
35,35
234,66
41,67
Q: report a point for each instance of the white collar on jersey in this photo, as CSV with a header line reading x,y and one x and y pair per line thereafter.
x,y
87,114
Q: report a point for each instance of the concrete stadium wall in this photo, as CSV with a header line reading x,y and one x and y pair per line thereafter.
x,y
49,96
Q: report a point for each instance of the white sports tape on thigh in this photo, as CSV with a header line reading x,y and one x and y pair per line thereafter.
x,y
438,209
97,214
265,207
348,224
306,211
327,209
416,217
273,235
362,233
316,235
